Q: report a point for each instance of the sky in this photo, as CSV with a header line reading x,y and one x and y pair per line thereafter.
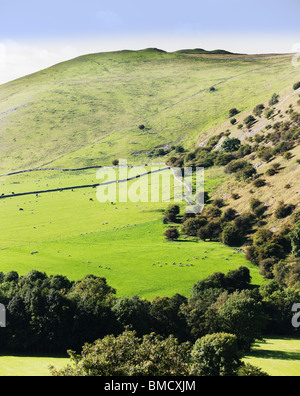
x,y
35,34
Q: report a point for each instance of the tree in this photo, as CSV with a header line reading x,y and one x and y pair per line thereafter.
x,y
231,236
258,110
128,355
231,144
233,112
216,355
243,316
295,240
134,313
115,162
249,121
191,226
274,99
171,234
296,85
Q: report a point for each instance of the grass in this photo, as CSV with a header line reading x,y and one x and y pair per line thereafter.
x,y
88,109
75,235
277,356
29,366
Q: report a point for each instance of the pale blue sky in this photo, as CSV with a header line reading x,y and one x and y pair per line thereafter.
x,y
35,33
73,18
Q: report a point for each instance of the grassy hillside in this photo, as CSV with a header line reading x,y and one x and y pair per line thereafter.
x,y
88,110
283,185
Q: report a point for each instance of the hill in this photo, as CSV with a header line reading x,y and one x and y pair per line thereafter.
x,y
89,109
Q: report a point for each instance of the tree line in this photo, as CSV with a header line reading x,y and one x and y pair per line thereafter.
x,y
51,314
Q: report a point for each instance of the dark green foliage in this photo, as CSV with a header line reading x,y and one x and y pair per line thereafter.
x,y
249,121
284,210
231,236
259,183
128,355
231,144
295,240
233,112
274,99
258,110
172,234
191,226
216,355
296,85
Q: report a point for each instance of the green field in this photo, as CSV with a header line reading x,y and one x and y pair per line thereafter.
x,y
21,366
75,235
277,356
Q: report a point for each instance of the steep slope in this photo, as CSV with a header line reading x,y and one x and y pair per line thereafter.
x,y
88,110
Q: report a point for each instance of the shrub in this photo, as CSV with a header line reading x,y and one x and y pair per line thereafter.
x,y
235,166
274,99
233,112
246,173
223,159
171,234
231,144
271,172
191,226
179,149
216,355
259,183
231,236
269,113
257,111
296,85
284,210
249,121
295,240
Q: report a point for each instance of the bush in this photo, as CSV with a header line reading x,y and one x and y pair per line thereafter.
x,y
216,355
191,226
269,113
295,240
179,149
231,144
231,236
171,234
258,110
274,99
271,172
233,112
284,210
127,355
296,85
235,166
259,183
223,159
249,121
